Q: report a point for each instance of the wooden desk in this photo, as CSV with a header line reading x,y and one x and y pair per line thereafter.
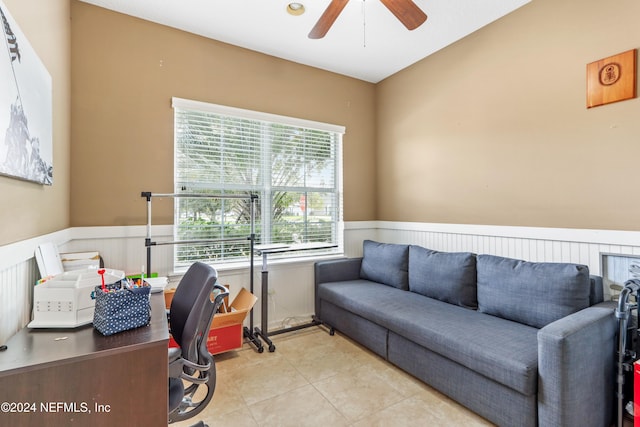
x,y
87,379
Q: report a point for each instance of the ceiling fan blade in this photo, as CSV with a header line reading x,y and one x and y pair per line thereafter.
x,y
407,12
327,19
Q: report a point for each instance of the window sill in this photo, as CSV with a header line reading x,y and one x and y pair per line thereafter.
x,y
257,264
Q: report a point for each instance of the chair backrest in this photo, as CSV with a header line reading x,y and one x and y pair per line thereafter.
x,y
192,310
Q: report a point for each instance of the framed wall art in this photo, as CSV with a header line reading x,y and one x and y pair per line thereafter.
x,y
611,79
26,142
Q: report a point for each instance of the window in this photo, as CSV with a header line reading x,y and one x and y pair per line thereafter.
x,y
293,166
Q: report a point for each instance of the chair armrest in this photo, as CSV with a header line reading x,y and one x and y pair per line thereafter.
x,y
203,377
183,368
335,270
576,368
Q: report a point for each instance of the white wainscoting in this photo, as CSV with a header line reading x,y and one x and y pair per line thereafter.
x,y
123,248
16,294
528,243
291,283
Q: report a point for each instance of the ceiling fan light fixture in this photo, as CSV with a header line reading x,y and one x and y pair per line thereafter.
x,y
295,9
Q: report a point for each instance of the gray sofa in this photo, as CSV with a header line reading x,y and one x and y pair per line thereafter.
x,y
520,343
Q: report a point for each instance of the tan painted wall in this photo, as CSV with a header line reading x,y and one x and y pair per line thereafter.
x,y
492,130
126,70
29,209
495,129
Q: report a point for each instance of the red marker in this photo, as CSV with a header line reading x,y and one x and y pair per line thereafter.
x,y
101,273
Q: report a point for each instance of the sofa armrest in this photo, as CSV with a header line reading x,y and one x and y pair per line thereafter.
x,y
576,368
335,270
596,294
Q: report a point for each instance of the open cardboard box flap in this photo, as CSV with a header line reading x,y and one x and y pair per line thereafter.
x,y
242,303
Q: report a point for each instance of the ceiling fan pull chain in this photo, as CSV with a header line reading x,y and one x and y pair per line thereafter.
x,y
364,25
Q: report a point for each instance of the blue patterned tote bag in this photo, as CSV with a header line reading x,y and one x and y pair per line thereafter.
x,y
120,307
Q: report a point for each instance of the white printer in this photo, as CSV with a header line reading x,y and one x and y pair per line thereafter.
x,y
63,299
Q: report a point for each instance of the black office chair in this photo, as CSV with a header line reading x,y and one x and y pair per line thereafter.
x,y
194,304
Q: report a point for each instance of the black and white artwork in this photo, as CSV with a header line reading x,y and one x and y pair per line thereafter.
x,y
26,141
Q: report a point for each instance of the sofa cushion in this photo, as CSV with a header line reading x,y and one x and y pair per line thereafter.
x,y
386,263
533,293
505,351
447,276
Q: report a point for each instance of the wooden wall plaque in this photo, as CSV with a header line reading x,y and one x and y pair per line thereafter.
x,y
612,79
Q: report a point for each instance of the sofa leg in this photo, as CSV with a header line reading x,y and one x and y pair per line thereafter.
x,y
332,331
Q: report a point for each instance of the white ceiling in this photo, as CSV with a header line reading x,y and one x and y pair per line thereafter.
x,y
366,41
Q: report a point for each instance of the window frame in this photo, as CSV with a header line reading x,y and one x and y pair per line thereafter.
x,y
262,215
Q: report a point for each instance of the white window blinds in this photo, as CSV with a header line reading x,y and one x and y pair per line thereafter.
x,y
293,165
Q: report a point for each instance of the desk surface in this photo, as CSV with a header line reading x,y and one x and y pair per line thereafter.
x,y
35,348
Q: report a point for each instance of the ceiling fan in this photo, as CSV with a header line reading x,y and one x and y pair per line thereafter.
x,y
406,11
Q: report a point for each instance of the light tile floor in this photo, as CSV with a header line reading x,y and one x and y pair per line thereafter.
x,y
315,379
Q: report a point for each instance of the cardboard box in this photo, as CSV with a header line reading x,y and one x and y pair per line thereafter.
x,y
225,338
226,330
72,261
172,342
169,293
168,297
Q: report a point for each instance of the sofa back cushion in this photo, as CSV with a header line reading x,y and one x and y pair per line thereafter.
x,y
533,293
446,276
385,263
